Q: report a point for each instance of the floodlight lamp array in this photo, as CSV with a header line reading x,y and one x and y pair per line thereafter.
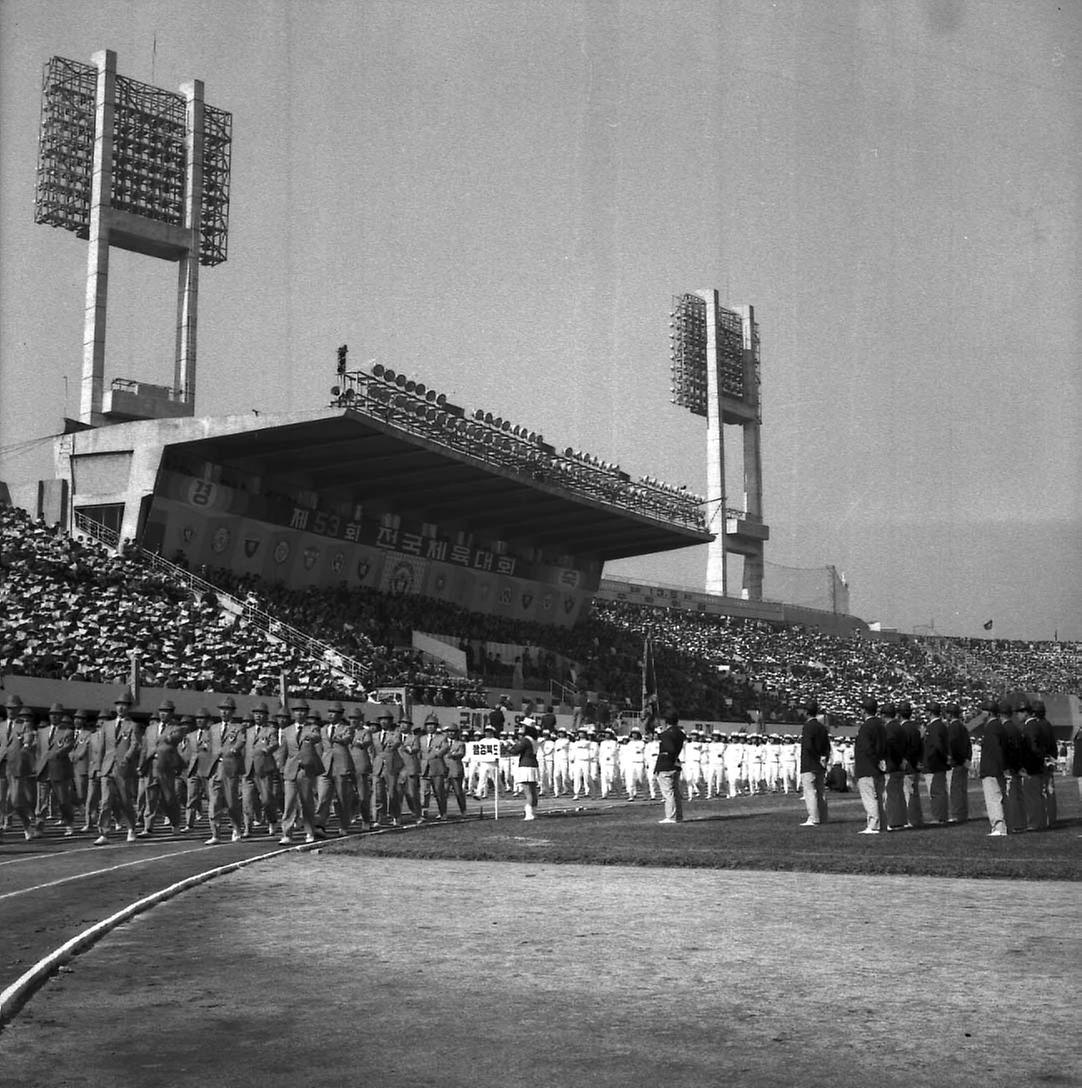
x,y
149,160
687,349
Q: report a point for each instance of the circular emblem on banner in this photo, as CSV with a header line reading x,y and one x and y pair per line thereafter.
x,y
220,541
402,578
281,551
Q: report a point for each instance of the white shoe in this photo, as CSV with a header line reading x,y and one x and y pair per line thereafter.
x,y
997,834
213,841
131,836
529,816
285,840
809,823
668,820
101,840
237,836
869,831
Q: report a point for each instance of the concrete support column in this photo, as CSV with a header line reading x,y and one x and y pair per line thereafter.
x,y
97,277
717,580
188,270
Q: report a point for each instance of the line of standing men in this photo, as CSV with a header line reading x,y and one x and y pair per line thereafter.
x,y
248,774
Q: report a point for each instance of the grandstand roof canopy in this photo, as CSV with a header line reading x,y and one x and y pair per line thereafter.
x,y
346,450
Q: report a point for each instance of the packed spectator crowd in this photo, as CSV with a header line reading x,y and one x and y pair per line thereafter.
x,y
71,609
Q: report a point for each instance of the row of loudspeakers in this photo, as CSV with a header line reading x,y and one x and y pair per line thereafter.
x,y
407,385
507,426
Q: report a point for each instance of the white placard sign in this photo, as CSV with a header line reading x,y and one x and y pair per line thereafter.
x,y
484,751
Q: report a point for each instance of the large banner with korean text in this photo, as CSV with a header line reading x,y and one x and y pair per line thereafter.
x,y
203,524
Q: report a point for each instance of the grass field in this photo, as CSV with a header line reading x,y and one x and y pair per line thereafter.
x,y
750,833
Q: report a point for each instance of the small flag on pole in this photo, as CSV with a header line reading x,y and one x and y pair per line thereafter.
x,y
988,625
649,682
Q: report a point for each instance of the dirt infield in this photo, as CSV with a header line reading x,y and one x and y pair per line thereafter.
x,y
327,969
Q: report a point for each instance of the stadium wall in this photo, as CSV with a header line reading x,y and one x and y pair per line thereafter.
x,y
690,600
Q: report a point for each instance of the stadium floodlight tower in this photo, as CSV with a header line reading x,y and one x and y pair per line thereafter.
x,y
715,373
121,163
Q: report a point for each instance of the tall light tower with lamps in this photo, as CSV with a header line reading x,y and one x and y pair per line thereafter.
x,y
715,374
121,163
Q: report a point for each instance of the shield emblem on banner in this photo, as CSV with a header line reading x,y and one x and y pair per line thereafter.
x,y
362,569
569,605
527,600
188,533
251,545
311,554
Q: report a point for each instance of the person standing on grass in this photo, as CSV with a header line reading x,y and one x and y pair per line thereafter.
x,y
667,768
914,760
959,754
870,764
994,766
526,770
1076,760
814,756
935,759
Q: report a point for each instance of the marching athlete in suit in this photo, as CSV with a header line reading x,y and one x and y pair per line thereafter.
x,y
21,760
160,764
456,770
360,750
195,750
409,777
300,759
337,779
260,778
122,746
434,749
386,765
80,764
54,772
227,744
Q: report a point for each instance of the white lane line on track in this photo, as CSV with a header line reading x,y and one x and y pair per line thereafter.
x,y
13,997
101,872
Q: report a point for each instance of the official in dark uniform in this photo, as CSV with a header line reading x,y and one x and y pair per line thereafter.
x,y
994,767
959,754
936,760
870,765
814,756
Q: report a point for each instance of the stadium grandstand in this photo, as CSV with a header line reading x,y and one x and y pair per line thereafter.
x,y
393,545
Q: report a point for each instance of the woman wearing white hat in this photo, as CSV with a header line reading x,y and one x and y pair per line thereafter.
x,y
526,773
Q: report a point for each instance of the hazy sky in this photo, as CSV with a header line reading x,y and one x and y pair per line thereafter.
x,y
500,199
